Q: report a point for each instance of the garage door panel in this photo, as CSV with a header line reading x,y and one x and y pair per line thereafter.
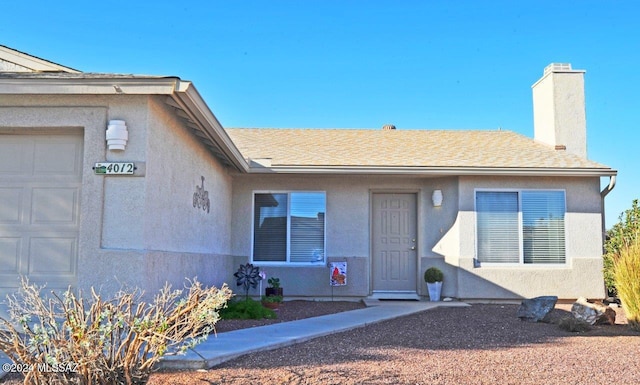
x,y
54,206
40,184
56,158
13,155
11,207
52,255
10,255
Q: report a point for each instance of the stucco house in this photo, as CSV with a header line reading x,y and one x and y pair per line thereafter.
x,y
123,180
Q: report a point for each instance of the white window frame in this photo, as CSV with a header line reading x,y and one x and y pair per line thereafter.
x,y
287,261
520,263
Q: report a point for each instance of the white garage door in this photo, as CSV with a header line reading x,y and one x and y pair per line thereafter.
x,y
40,180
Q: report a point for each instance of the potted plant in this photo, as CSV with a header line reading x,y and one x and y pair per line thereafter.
x,y
433,277
272,301
274,287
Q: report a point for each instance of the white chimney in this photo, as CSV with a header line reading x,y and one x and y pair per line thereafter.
x,y
559,117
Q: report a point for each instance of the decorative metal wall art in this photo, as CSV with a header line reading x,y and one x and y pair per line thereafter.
x,y
201,197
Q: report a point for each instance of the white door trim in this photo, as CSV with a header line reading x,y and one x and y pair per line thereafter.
x,y
410,293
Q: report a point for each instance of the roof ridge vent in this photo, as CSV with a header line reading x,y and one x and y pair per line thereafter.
x,y
388,127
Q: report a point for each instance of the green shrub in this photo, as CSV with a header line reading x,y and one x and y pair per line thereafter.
x,y
626,271
246,309
98,341
272,298
621,235
433,274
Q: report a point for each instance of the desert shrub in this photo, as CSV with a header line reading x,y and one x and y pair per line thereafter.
x,y
626,270
621,235
573,325
246,309
99,341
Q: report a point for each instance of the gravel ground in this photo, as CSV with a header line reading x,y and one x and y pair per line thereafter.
x,y
291,311
481,344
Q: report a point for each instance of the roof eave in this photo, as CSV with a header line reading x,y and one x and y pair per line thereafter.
x,y
434,171
51,85
187,96
183,95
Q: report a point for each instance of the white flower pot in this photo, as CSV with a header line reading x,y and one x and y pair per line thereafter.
x,y
434,291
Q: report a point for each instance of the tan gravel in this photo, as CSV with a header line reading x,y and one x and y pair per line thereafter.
x,y
481,344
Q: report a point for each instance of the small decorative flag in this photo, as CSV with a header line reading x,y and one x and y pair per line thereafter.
x,y
338,272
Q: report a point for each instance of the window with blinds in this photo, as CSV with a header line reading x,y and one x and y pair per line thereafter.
x,y
289,227
521,227
498,228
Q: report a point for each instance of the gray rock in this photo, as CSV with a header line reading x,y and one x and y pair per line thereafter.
x,y
535,309
593,313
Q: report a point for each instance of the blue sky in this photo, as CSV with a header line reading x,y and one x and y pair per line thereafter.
x,y
362,64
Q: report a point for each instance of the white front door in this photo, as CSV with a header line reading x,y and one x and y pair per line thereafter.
x,y
394,259
40,180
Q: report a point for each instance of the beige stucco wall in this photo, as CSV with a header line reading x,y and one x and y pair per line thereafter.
x,y
348,225
139,231
580,276
559,114
446,235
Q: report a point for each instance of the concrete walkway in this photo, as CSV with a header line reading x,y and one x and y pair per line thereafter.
x,y
227,346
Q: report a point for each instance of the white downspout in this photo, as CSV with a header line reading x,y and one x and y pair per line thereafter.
x,y
604,193
607,190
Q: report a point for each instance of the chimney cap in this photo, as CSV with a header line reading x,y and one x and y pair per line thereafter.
x,y
559,67
387,127
553,67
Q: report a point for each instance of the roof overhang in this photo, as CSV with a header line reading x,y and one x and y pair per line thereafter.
x,y
205,125
85,84
433,171
30,62
181,95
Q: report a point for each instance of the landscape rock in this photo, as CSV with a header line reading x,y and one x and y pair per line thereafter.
x,y
535,309
593,312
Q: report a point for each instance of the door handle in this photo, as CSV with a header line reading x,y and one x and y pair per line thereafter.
x,y
413,247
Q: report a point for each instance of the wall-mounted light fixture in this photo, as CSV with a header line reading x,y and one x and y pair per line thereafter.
x,y
437,198
117,135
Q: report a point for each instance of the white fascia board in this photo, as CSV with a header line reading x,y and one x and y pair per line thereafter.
x,y
433,171
188,97
88,85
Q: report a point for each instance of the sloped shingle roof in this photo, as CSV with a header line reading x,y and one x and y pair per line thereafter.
x,y
402,148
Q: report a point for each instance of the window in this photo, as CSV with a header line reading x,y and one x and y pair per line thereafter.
x,y
521,227
289,227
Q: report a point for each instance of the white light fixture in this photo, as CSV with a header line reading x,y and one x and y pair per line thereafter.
x,y
437,198
117,135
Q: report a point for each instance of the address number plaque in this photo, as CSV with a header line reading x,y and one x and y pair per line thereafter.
x,y
114,168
